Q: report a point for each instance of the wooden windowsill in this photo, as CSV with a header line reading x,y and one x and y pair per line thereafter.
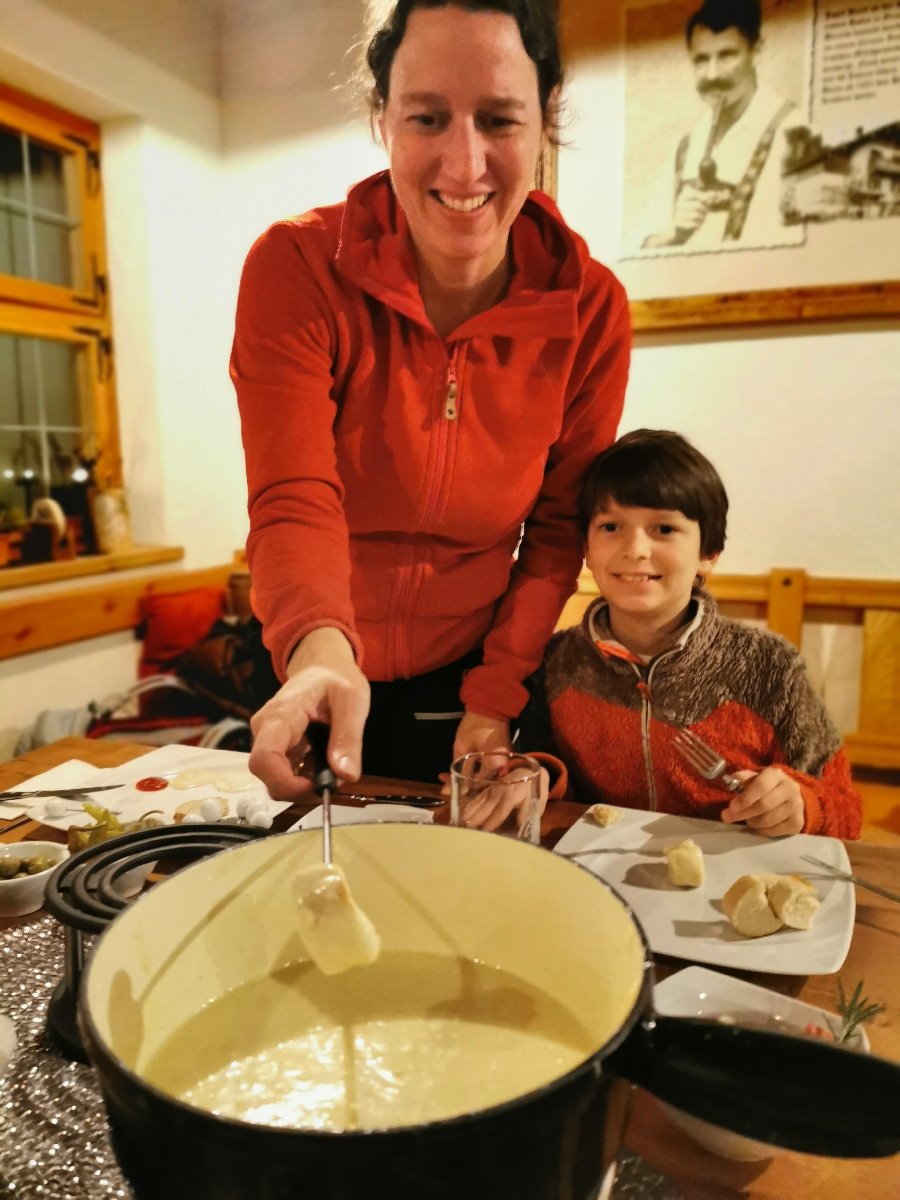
x,y
93,564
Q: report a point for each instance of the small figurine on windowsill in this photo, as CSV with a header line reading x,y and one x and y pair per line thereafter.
x,y
48,537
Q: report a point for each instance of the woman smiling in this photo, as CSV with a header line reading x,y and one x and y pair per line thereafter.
x,y
423,374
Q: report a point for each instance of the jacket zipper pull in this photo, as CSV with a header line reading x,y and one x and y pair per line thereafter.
x,y
450,409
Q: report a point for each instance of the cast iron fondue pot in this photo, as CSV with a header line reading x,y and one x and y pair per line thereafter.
x,y
450,891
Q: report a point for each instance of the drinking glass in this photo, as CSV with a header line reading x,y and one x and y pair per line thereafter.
x,y
499,791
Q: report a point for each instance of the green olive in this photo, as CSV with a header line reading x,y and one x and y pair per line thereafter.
x,y
10,867
40,862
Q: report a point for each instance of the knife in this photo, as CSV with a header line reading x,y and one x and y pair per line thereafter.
x,y
416,801
60,792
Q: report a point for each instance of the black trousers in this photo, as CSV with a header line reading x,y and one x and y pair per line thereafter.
x,y
411,724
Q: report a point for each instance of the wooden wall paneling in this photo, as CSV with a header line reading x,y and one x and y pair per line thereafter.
x,y
42,622
783,598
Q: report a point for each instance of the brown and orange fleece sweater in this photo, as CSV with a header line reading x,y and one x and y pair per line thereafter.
x,y
611,719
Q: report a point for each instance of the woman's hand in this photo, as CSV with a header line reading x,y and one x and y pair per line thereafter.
x,y
324,685
475,732
771,803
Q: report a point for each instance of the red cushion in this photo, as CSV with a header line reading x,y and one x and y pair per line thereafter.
x,y
175,621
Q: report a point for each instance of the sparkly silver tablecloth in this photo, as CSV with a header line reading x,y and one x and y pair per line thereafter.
x,y
54,1141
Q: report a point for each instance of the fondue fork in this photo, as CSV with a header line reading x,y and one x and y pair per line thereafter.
x,y
336,932
324,783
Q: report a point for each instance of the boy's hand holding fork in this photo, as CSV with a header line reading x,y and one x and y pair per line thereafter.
x,y
771,803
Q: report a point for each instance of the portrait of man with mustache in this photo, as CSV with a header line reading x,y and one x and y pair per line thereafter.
x,y
725,188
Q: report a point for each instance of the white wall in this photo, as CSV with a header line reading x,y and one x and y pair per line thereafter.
x,y
799,420
171,295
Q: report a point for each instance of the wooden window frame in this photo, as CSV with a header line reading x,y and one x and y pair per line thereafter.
x,y
79,139
90,334
30,308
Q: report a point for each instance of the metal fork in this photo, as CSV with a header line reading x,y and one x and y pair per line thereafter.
x,y
837,873
705,761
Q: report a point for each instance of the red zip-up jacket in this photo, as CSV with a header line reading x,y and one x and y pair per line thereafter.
x,y
390,471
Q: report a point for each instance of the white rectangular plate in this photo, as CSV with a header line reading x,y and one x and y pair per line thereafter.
x,y
344,814
689,922
232,781
699,992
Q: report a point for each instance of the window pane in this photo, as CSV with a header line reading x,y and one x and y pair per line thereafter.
x,y
59,377
14,257
10,397
51,244
18,381
39,382
47,188
12,495
12,172
40,212
21,470
65,458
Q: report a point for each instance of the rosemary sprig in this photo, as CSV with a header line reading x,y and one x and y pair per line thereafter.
x,y
854,1012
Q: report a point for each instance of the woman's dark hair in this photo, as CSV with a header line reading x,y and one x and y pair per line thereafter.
x,y
537,24
719,15
655,468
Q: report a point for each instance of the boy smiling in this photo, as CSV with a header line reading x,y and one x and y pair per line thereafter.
x,y
652,655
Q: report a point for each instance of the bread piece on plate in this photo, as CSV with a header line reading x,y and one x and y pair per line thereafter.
x,y
747,907
604,814
685,863
794,900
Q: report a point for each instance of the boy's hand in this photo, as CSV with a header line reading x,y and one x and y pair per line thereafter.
x,y
771,803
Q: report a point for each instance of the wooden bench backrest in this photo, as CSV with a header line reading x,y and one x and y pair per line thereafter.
x,y
785,599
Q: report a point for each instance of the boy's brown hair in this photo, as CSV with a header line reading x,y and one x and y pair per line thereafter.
x,y
655,468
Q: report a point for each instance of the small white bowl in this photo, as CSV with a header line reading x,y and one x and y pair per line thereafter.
x,y
698,992
21,896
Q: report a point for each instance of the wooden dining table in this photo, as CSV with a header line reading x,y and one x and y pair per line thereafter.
x,y
696,1173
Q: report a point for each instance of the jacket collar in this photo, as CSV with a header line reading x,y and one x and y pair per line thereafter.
x,y
375,252
695,634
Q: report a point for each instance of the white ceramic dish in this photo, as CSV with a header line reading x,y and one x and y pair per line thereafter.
x,y
344,814
21,896
689,922
698,992
233,782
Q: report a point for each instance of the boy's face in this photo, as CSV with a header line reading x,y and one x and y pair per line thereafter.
x,y
644,561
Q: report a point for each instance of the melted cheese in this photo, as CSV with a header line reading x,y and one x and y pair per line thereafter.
x,y
412,1038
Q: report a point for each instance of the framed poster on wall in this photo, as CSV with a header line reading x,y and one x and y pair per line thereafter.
x,y
760,170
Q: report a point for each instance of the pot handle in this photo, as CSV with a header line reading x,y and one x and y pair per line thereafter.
x,y
799,1093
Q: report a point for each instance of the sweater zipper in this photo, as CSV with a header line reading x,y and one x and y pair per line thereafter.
x,y
450,407
646,706
450,412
